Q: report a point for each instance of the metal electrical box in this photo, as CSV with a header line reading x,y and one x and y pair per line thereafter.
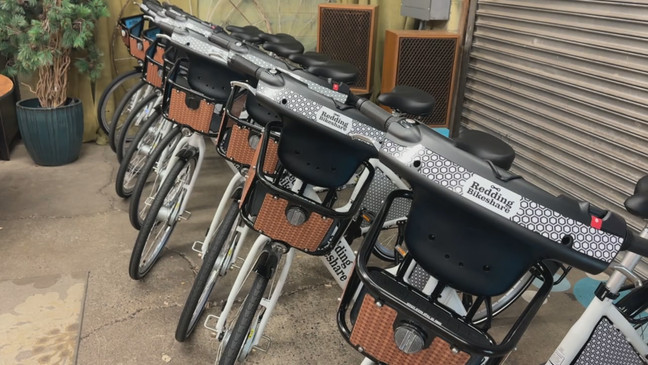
x,y
426,9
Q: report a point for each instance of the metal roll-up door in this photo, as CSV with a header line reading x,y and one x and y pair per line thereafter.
x,y
566,84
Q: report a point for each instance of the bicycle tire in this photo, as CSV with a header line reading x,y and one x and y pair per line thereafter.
x,y
143,109
151,248
136,212
136,156
507,299
247,314
123,110
208,274
104,114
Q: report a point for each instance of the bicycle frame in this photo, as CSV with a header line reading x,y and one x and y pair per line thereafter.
x,y
580,333
237,181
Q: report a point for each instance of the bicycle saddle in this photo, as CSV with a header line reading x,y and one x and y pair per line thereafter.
x,y
336,70
642,186
308,59
637,204
258,112
487,147
284,48
276,38
248,33
409,100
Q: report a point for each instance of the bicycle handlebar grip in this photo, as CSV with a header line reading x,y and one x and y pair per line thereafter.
x,y
240,64
636,244
379,117
221,42
173,15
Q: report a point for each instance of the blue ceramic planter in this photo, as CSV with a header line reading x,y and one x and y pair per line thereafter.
x,y
52,136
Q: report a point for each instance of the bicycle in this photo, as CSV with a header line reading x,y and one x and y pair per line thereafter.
x,y
619,324
137,40
392,317
276,242
191,101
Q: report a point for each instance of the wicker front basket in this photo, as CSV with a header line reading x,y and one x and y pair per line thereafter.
x,y
198,119
272,222
374,332
155,68
240,151
138,47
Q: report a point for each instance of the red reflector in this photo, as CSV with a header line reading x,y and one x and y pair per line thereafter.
x,y
596,222
336,87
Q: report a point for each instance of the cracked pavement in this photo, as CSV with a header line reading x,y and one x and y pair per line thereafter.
x,y
58,220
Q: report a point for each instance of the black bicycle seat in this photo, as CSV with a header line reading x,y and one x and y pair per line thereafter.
x,y
285,48
258,112
247,28
637,205
308,59
409,100
336,70
248,33
642,186
277,38
487,147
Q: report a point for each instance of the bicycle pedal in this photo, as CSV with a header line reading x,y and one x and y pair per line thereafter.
x,y
263,347
198,246
212,327
185,215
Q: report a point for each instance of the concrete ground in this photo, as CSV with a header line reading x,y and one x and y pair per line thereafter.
x,y
68,219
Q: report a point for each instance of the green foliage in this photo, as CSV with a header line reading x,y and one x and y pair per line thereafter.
x,y
35,34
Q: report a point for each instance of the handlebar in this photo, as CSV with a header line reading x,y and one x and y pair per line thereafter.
x,y
379,118
635,243
240,64
219,41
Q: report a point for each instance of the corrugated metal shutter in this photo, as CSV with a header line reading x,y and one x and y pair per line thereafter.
x,y
566,84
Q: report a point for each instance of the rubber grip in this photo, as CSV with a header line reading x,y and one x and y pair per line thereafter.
x,y
171,15
240,64
379,117
636,244
219,41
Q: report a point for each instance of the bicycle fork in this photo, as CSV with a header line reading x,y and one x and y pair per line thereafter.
x,y
269,254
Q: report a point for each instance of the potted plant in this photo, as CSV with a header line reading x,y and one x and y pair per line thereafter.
x,y
44,38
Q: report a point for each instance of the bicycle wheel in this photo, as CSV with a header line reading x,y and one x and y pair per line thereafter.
x,y
112,94
125,107
238,344
162,219
150,180
143,146
500,303
215,264
126,132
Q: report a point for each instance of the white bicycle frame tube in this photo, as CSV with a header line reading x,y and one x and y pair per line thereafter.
x,y
580,332
258,245
147,113
236,181
269,304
